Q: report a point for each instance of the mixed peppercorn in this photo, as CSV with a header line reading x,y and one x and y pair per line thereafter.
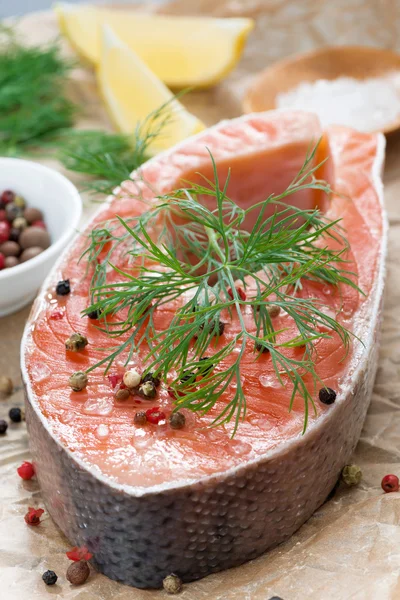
x,y
23,232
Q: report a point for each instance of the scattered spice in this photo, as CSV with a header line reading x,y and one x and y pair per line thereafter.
x,y
351,475
19,201
78,572
78,381
33,515
175,393
122,394
273,311
155,415
204,370
390,483
147,390
26,470
261,348
63,287
114,379
275,598
327,395
57,314
132,378
3,426
15,414
95,314
188,376
172,584
218,327
152,377
140,418
6,385
79,553
20,223
7,196
177,420
76,342
240,291
49,577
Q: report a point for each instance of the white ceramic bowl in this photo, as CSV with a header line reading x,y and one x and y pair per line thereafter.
x,y
59,200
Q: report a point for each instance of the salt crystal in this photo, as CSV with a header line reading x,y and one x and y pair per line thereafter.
x,y
367,105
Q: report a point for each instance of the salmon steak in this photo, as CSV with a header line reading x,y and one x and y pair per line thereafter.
x,y
151,491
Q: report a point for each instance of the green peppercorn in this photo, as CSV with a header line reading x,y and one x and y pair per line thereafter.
x,y
172,584
177,420
147,390
19,201
351,475
76,342
78,381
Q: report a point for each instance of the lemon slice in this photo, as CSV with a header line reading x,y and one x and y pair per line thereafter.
x,y
181,51
131,92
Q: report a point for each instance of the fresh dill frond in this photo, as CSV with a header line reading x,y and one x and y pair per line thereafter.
x,y
271,261
106,159
109,158
34,105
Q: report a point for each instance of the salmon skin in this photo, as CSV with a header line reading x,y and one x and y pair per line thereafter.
x,y
151,501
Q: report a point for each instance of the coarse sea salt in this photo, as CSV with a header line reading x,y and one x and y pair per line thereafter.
x,y
367,105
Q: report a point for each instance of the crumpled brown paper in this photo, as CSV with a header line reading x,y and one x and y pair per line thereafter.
x,y
350,548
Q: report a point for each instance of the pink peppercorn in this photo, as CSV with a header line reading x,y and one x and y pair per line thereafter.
x,y
4,231
155,415
26,471
390,483
40,224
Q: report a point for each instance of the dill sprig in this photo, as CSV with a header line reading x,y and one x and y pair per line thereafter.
x,y
33,100
271,262
109,158
37,118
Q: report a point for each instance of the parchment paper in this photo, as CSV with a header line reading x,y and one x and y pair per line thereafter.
x,y
350,548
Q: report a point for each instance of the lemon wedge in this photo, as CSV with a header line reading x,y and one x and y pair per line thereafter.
x,y
131,92
181,51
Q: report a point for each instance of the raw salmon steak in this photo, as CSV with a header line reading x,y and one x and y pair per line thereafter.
x,y
149,501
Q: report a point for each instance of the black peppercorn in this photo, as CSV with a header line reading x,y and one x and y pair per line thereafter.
x,y
63,287
188,376
95,314
3,426
49,577
327,395
261,348
152,378
204,370
15,415
14,234
215,327
275,598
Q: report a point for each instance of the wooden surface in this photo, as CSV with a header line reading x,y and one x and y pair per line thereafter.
x,y
349,548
